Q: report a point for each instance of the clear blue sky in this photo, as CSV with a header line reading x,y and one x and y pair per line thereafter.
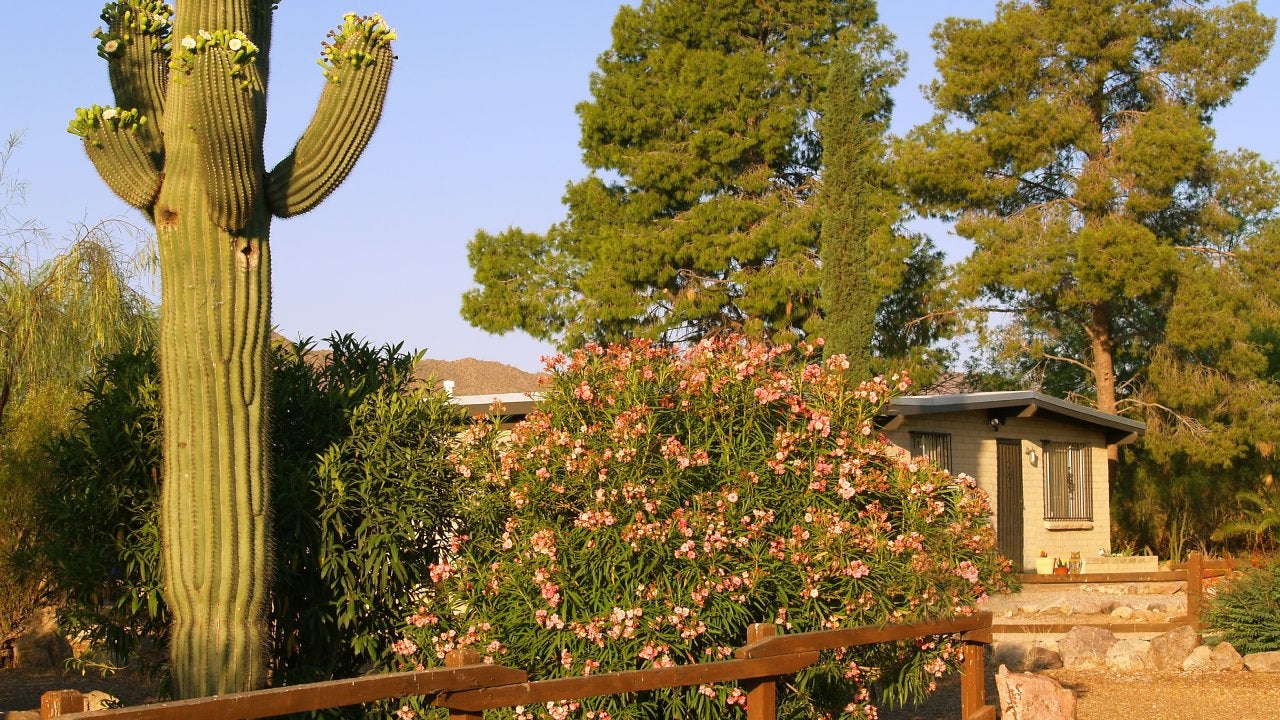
x,y
479,132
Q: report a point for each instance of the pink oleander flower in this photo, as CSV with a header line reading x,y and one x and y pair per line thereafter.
x,y
404,646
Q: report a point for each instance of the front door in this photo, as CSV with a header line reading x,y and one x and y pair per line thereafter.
x,y
1009,500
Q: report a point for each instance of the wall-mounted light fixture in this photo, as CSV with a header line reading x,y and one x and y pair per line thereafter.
x,y
1034,456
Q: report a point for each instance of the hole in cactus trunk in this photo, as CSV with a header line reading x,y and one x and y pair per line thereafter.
x,y
248,254
166,217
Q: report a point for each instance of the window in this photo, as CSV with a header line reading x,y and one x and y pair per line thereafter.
x,y
935,446
1068,481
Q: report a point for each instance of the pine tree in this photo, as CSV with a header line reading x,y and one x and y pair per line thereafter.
x,y
1073,146
701,213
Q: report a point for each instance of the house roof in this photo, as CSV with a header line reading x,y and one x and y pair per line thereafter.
x,y
1001,406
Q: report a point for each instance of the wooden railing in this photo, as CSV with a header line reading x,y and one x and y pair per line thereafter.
x,y
468,687
1194,571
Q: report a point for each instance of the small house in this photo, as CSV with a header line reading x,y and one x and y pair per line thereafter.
x,y
1042,461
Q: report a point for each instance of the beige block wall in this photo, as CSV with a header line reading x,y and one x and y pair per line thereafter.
x,y
973,451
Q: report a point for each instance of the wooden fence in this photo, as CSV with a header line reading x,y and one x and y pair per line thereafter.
x,y
1195,571
468,687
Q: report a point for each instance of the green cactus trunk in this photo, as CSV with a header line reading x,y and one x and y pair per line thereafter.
x,y
215,321
185,147
215,515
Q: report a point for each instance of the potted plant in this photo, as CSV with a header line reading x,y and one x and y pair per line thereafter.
x,y
1044,564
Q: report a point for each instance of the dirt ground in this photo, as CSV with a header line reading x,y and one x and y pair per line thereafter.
x,y
21,690
1105,695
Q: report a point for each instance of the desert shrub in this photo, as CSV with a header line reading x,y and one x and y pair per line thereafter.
x,y
1245,611
361,489
660,501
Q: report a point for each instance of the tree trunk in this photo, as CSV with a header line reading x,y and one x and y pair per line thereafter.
x,y
1102,359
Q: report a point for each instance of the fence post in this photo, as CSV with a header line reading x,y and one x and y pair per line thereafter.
x,y
461,658
56,703
1195,589
973,679
762,694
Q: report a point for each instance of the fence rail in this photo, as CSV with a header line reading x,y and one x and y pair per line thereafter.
x,y
467,687
1194,572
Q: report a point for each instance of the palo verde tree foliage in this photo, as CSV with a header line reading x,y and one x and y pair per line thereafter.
x,y
1072,145
58,316
660,501
183,144
362,494
700,214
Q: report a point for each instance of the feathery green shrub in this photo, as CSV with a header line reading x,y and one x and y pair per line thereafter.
x,y
1245,611
361,486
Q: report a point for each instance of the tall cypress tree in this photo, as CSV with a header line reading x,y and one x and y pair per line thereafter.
x,y
852,127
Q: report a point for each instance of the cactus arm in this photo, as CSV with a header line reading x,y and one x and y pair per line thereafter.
x,y
358,65
228,114
119,144
135,45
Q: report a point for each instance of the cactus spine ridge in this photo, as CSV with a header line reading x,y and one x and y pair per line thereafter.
x,y
357,63
229,104
135,45
119,143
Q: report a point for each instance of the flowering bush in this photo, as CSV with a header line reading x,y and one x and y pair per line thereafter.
x,y
659,501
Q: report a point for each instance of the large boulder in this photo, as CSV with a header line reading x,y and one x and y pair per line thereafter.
x,y
1168,651
1086,647
42,646
1263,661
1025,696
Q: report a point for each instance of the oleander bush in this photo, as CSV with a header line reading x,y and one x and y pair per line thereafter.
x,y
1245,611
362,490
659,501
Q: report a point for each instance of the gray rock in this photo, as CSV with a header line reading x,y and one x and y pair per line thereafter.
x,y
1040,658
1128,655
1263,661
1086,647
95,700
1021,656
1226,658
1024,696
1170,649
1200,660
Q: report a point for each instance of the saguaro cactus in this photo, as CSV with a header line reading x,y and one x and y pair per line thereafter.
x,y
183,144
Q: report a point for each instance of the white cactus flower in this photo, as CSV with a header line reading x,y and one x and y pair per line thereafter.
x,y
235,44
110,45
189,42
206,35
108,113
